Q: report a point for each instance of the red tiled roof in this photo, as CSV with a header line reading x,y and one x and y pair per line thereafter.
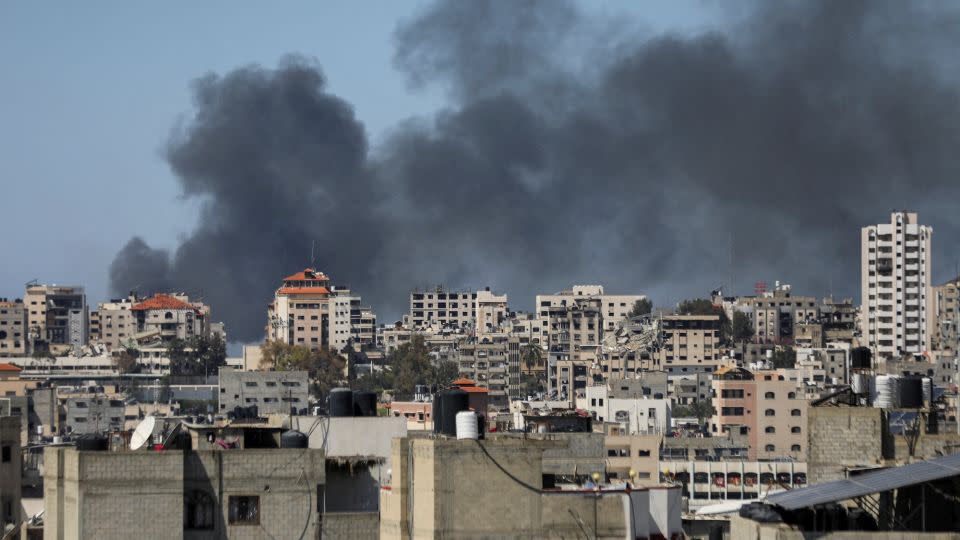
x,y
162,301
10,368
302,276
474,389
303,290
463,381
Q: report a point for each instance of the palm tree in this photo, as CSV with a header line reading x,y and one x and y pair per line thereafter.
x,y
532,356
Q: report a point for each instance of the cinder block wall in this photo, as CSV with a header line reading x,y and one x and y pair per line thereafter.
x,y
841,437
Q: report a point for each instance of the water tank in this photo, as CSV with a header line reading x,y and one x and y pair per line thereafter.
x,y
451,403
92,442
467,427
886,397
927,391
293,439
364,403
859,384
860,358
341,402
436,413
911,393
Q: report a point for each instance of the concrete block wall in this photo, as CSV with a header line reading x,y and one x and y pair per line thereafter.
x,y
356,526
841,437
585,515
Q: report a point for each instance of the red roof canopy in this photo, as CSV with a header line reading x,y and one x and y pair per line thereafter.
x,y
162,301
303,290
10,368
308,274
463,381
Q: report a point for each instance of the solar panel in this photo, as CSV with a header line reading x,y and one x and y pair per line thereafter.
x,y
868,483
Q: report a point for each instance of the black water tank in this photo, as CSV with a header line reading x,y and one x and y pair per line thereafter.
x,y
341,402
860,358
293,439
92,442
452,402
911,393
437,412
364,403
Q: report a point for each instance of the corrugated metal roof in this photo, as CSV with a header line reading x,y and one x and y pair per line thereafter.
x,y
868,483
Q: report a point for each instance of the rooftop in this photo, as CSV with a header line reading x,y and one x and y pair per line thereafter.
x,y
162,301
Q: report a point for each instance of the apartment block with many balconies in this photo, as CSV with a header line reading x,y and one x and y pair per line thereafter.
x,y
897,306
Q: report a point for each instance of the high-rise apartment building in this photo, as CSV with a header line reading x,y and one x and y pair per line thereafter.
x,y
113,324
13,328
308,310
57,316
690,344
896,296
775,314
613,307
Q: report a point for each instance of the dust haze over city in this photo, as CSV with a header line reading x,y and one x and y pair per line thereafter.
x,y
573,149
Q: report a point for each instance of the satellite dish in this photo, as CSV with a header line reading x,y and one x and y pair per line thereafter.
x,y
143,433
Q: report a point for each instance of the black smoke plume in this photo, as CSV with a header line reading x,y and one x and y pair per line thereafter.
x,y
576,150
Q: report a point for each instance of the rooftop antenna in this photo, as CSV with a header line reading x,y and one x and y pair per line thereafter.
x,y
313,257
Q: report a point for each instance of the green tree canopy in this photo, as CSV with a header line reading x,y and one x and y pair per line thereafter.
x,y
197,356
644,306
784,358
324,368
742,327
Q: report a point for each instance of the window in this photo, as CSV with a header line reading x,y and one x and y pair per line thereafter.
x,y
770,448
769,395
5,457
795,412
244,510
795,429
250,384
795,448
793,395
731,411
643,453
770,429
198,510
769,412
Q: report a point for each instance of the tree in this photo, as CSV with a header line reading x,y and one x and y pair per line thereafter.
x,y
701,409
324,368
411,366
641,307
200,355
703,306
126,361
532,356
445,373
784,358
742,327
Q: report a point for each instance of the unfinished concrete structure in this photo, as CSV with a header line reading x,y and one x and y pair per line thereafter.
x,y
10,472
447,488
207,494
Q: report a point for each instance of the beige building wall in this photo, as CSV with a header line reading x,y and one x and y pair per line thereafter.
x,y
113,324
308,311
614,307
947,321
691,341
897,307
776,314
638,453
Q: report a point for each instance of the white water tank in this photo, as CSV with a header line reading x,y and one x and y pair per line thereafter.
x,y
887,392
467,425
858,383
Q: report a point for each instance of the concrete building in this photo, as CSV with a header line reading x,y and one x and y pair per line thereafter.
x,y
614,307
633,414
13,328
10,472
766,407
775,313
363,325
706,483
57,316
166,317
444,488
247,493
632,458
308,310
494,364
441,307
574,336
838,319
897,301
946,336
113,324
690,344
272,392
97,413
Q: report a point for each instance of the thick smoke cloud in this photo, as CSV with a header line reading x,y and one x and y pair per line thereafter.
x,y
573,151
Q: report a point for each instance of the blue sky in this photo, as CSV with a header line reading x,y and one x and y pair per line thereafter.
x,y
91,91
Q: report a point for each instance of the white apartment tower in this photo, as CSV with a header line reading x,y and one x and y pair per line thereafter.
x,y
895,286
